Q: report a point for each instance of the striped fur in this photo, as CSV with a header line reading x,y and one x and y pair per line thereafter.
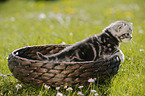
x,y
95,47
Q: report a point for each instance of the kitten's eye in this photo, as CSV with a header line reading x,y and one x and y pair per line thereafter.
x,y
124,24
119,27
127,34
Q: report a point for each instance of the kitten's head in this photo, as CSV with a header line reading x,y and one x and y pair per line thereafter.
x,y
122,30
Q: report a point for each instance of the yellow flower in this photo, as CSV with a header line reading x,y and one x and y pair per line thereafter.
x,y
70,10
56,9
118,12
127,14
110,10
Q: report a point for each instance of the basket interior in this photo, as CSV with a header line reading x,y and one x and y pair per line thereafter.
x,y
30,52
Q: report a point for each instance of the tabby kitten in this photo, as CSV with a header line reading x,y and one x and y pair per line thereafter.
x,y
102,46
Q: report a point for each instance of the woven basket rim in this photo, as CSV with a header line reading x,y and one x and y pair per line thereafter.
x,y
15,51
31,60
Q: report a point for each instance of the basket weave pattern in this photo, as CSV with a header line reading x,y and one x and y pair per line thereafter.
x,y
26,67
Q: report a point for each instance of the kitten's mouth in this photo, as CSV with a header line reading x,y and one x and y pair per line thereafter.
x,y
125,37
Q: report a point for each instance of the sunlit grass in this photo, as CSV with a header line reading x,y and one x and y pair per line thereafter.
x,y
26,23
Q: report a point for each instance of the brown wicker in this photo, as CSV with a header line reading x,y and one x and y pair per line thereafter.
x,y
26,67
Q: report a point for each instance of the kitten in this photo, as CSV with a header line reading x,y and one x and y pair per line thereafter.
x,y
101,46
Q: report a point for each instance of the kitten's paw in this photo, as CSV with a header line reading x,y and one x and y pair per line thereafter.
x,y
120,54
41,56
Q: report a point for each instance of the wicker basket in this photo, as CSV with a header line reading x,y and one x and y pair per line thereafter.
x,y
26,67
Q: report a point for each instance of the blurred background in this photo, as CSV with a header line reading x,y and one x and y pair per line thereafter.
x,y
39,22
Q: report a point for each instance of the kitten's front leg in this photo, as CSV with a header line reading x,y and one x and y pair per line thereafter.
x,y
120,54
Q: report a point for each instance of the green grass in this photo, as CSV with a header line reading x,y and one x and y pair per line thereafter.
x,y
70,21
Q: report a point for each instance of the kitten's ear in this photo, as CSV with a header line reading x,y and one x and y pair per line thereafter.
x,y
119,27
130,23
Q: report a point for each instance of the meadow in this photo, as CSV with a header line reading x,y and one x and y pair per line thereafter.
x,y
33,22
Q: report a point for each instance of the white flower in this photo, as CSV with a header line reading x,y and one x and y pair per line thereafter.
x,y
96,94
63,42
91,80
93,91
42,16
18,86
12,19
140,31
4,75
59,94
95,79
141,50
65,86
2,94
80,93
10,74
1,74
80,87
46,87
71,34
69,89
57,88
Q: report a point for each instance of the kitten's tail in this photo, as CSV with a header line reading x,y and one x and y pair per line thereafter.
x,y
41,56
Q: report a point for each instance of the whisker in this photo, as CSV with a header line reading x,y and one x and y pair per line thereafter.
x,y
132,43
